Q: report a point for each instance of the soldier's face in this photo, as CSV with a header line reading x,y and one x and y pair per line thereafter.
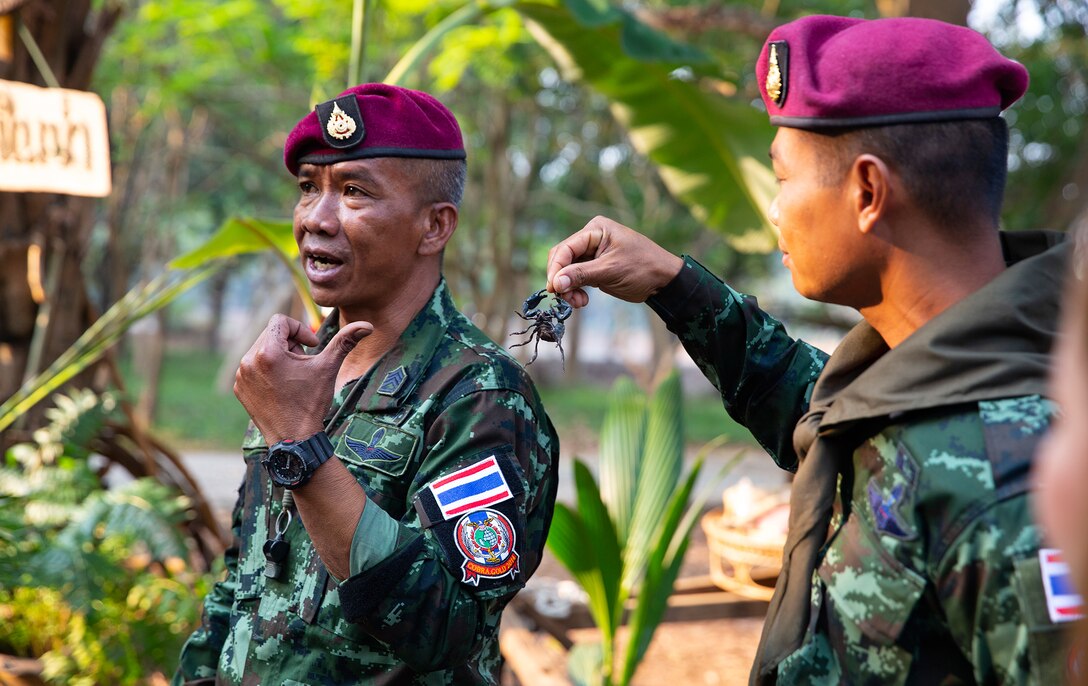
x,y
818,233
359,225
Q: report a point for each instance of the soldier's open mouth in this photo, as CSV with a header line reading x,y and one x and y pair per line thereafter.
x,y
321,266
319,260
323,263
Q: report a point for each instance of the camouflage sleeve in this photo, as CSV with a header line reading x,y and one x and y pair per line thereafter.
x,y
200,654
420,601
990,587
765,377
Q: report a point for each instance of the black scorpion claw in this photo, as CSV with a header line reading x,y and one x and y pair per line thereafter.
x,y
529,307
565,310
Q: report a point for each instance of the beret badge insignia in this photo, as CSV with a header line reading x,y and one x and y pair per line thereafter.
x,y
777,69
341,122
340,125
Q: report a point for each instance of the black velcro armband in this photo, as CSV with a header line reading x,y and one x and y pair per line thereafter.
x,y
361,594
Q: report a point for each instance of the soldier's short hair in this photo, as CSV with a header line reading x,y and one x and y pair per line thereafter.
x,y
954,171
438,180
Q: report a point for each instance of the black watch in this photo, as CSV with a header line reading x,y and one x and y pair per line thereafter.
x,y
290,464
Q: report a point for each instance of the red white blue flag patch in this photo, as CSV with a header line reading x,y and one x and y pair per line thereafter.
x,y
474,487
1062,600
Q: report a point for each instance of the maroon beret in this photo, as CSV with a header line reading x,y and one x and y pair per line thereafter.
x,y
823,71
374,120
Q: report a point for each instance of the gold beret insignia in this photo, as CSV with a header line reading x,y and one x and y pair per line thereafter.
x,y
777,66
340,125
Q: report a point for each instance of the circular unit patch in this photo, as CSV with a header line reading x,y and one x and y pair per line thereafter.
x,y
486,540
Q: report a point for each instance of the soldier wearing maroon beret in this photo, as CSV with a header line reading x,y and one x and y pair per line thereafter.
x,y
912,557
400,469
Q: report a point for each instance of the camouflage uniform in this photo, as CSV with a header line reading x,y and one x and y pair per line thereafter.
x,y
444,398
927,571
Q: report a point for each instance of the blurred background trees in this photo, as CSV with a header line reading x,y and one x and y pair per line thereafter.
x,y
201,94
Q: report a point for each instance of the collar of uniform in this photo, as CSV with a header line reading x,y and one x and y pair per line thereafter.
x,y
992,344
400,370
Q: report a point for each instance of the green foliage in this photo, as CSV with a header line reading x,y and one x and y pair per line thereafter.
x,y
627,536
673,114
192,413
464,46
1048,139
238,235
100,336
92,581
711,150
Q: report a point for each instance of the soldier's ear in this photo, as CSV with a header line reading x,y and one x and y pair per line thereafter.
x,y
440,222
870,191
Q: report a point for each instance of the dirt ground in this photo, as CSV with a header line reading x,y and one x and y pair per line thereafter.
x,y
701,652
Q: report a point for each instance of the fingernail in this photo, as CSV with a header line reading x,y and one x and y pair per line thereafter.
x,y
562,282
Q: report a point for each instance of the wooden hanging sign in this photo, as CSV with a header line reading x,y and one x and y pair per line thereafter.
x,y
53,140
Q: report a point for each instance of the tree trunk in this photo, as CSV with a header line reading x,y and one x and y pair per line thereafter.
x,y
571,344
148,356
217,302
487,256
38,229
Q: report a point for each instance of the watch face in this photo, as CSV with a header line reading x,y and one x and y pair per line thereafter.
x,y
286,467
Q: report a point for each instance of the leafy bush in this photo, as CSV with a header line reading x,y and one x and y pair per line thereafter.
x,y
92,581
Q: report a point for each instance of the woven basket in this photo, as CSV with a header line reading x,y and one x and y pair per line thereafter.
x,y
741,562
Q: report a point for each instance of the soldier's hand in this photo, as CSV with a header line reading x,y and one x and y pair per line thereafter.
x,y
607,255
285,391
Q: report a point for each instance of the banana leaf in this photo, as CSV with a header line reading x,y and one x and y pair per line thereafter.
x,y
106,330
236,236
243,235
711,150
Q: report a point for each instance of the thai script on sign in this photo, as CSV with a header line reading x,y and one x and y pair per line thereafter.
x,y
53,140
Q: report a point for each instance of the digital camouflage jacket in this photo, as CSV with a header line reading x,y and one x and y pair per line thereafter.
x,y
458,460
927,568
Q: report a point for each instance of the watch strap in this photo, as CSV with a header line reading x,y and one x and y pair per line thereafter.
x,y
318,450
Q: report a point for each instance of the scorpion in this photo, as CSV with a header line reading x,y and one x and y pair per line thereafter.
x,y
546,322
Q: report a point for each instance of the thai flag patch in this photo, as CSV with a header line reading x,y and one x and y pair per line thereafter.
x,y
474,487
1062,601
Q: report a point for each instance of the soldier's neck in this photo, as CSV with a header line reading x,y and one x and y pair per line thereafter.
x,y
923,280
389,321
